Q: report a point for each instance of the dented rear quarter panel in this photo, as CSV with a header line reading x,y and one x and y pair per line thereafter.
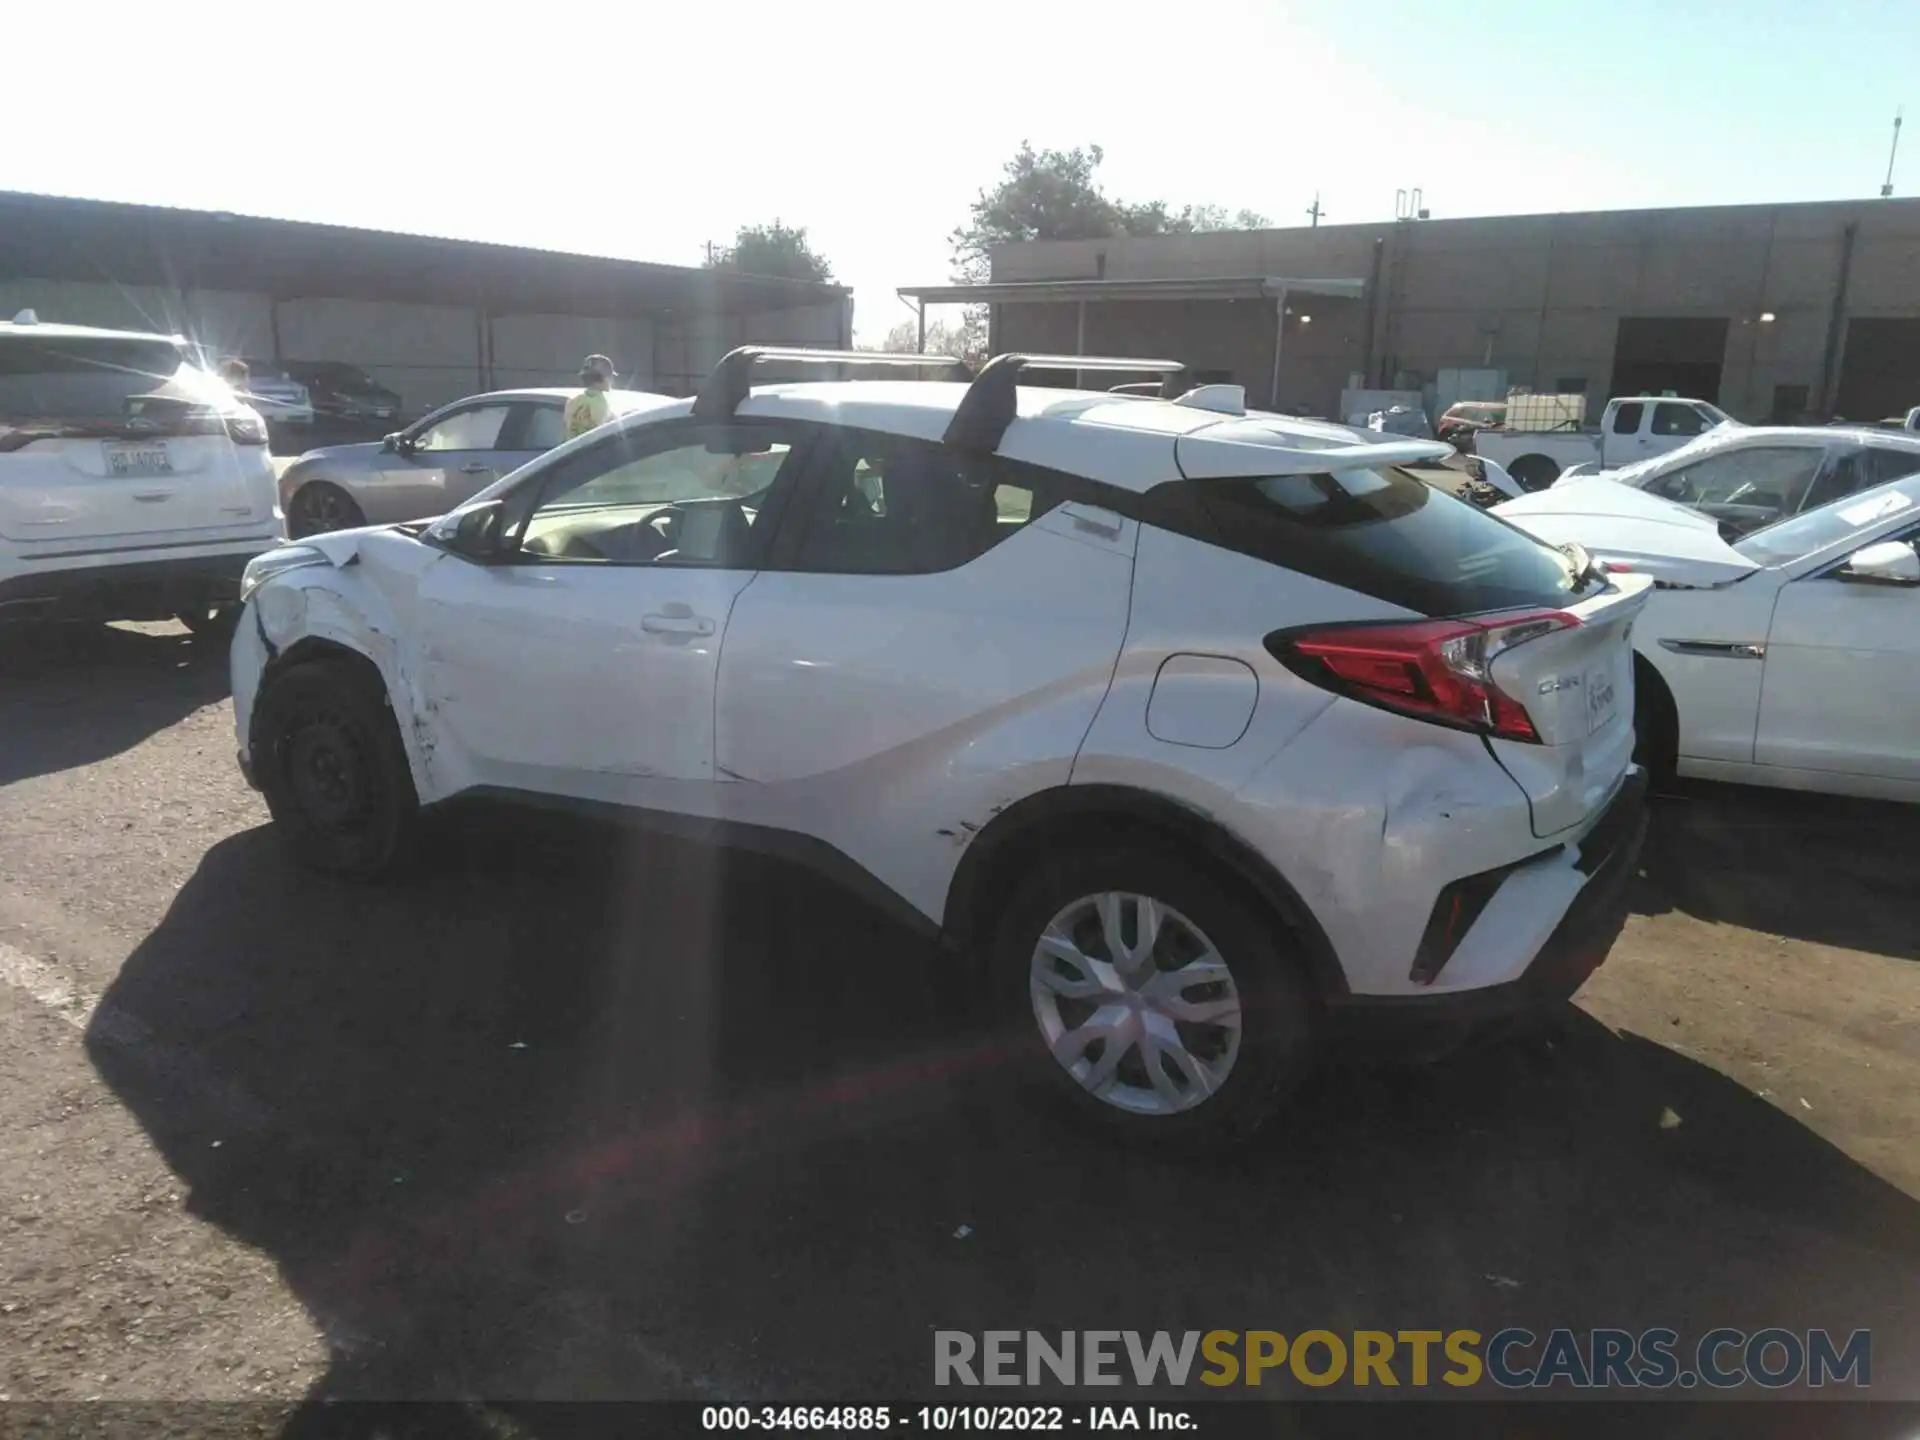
x,y
1364,813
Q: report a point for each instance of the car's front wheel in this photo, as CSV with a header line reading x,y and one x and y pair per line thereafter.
x,y
1153,995
318,507
333,770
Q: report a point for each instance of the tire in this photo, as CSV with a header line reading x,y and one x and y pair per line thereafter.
x,y
1227,1088
333,770
212,622
1534,472
318,507
1656,726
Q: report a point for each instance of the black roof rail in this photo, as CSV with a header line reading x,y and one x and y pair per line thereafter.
x,y
730,381
991,402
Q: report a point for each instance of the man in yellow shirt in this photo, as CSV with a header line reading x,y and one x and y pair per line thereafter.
x,y
591,406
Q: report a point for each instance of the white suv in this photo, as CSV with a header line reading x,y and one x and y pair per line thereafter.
x,y
133,485
1192,734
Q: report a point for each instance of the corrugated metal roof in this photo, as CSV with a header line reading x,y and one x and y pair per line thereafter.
x,y
1244,287
52,237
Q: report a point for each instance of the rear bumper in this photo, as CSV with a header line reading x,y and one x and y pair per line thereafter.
x,y
1609,856
144,590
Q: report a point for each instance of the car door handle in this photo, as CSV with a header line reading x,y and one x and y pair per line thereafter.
x,y
676,624
148,497
476,467
1715,649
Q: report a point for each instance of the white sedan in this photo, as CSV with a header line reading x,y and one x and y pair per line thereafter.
x,y
1790,657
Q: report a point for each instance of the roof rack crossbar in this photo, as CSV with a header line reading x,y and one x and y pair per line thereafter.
x,y
731,380
992,400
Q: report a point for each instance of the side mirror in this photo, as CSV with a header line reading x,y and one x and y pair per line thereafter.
x,y
477,535
1889,562
397,443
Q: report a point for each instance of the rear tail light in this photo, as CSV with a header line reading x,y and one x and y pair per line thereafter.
x,y
246,430
1436,670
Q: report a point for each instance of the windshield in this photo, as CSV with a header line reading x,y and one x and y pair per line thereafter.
x,y
1801,536
80,377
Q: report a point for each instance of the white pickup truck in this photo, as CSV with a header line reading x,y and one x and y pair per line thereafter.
x,y
1633,427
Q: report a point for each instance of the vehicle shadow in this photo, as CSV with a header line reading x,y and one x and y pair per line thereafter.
x,y
74,694
1821,868
570,1116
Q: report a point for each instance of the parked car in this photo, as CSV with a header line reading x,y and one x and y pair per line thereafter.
x,y
436,463
133,484
1193,736
1632,428
1749,476
278,397
345,392
1790,657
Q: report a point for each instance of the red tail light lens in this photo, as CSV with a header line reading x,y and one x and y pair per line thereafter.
x,y
1436,670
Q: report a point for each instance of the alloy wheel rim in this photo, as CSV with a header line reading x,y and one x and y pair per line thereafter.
x,y
323,766
323,511
1135,1003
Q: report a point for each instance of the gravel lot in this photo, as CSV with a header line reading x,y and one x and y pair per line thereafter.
x,y
573,1115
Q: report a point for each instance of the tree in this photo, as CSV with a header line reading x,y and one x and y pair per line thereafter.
x,y
942,339
775,249
1054,195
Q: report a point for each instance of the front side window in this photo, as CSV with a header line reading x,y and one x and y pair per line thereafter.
x,y
693,496
1671,419
1385,534
1774,476
475,429
886,505
1626,419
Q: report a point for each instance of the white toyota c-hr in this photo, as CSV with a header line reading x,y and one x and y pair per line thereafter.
x,y
1195,736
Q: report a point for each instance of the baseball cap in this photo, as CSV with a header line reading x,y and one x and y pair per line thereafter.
x,y
596,366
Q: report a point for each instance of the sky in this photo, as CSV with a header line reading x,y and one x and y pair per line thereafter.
x,y
644,130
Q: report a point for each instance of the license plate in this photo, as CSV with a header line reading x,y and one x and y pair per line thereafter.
x,y
147,459
1599,688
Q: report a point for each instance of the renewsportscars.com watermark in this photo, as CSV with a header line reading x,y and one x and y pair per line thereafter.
x,y
1598,1359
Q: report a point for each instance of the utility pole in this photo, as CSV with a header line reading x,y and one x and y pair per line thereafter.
x,y
1316,212
1886,190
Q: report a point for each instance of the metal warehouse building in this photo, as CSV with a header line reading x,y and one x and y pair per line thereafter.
x,y
1773,311
433,319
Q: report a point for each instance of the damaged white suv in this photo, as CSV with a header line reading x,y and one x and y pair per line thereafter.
x,y
1192,734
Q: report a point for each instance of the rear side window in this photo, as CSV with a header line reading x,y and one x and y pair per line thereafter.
x,y
1385,534
889,505
80,378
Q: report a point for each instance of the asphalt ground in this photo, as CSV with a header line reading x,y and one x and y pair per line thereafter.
x,y
574,1115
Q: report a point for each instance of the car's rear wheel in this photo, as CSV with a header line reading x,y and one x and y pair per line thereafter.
x,y
333,770
1152,996
1534,472
318,507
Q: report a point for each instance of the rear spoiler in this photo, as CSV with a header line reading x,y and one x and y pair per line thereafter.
x,y
1232,452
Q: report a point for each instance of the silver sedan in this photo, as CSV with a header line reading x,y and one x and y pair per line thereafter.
x,y
438,462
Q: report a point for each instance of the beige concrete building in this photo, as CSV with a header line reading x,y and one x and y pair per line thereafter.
x,y
1769,310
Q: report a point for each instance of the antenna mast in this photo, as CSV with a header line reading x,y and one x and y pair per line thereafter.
x,y
1886,190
